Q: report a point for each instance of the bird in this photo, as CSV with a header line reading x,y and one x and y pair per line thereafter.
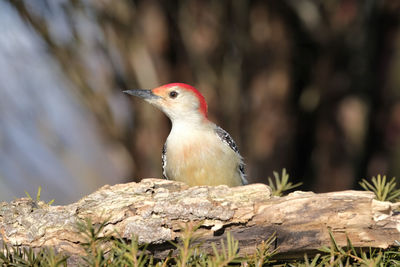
x,y
197,151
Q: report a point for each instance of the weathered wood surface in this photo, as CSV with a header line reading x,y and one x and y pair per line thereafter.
x,y
155,210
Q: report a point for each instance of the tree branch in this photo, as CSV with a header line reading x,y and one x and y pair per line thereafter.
x,y
155,210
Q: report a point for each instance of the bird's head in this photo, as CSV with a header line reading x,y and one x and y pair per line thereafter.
x,y
178,101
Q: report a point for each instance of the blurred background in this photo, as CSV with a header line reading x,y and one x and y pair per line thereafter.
x,y
308,85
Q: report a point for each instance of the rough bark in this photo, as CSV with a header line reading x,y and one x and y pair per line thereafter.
x,y
155,211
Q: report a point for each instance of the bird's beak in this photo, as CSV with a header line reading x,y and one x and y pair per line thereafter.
x,y
145,94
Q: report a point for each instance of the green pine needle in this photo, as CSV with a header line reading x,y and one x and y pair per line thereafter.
x,y
281,183
384,190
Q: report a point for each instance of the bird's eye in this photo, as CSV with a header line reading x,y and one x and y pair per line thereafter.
x,y
173,94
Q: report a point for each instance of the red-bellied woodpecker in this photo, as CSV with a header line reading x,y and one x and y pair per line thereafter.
x,y
197,151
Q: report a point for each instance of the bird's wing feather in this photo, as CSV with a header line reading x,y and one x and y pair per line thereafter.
x,y
227,139
164,161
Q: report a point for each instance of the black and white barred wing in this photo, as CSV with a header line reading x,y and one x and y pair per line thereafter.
x,y
164,161
227,139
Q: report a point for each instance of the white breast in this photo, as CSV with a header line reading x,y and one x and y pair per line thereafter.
x,y
197,156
